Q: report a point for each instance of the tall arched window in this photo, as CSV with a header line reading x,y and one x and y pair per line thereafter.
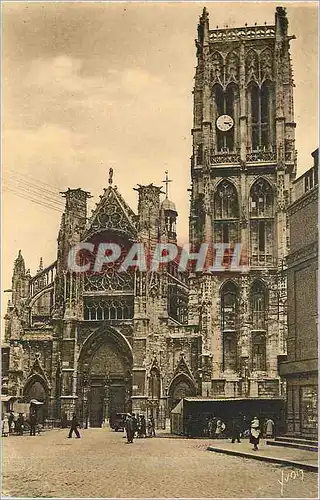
x,y
229,306
258,351
226,213
229,322
261,203
260,102
259,305
226,205
225,102
261,199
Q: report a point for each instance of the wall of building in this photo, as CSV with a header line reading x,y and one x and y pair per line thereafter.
x,y
301,368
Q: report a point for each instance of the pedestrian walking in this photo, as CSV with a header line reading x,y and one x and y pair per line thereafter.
x,y
269,426
129,425
134,424
210,427
143,426
235,430
33,423
11,421
255,433
151,427
139,426
5,426
20,424
74,426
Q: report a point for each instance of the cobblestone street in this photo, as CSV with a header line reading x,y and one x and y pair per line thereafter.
x,y
101,464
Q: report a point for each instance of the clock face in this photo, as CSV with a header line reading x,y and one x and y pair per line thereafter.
x,y
224,123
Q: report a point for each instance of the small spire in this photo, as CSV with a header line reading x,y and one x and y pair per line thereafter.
x,y
19,258
205,13
166,182
40,264
110,176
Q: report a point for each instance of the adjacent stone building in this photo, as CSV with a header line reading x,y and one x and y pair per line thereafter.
x,y
301,368
105,342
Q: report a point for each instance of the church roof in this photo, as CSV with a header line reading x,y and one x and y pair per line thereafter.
x,y
168,205
112,213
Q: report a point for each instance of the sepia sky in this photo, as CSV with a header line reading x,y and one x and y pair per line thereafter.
x,y
89,85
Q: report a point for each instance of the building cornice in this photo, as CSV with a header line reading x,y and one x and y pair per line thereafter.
x,y
302,254
303,201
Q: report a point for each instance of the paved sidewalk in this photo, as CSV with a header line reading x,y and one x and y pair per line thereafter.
x,y
274,454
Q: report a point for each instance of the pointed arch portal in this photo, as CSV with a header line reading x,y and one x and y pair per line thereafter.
x,y
104,376
181,387
36,388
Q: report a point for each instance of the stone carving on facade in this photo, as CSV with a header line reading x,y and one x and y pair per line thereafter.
x,y
280,192
16,357
232,68
225,158
258,156
217,68
154,285
252,66
38,369
109,280
112,213
266,65
182,368
106,360
244,216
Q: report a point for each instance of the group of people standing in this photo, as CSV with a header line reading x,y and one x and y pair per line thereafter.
x,y
16,424
216,427
236,428
255,432
137,426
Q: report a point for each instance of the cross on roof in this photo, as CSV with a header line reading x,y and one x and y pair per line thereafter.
x,y
110,176
166,182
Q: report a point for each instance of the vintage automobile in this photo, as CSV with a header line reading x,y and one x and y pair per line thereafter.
x,y
117,421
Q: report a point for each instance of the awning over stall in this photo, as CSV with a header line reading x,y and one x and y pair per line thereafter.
x,y
199,410
5,398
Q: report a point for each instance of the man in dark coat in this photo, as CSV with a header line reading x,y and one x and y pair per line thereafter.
x,y
33,423
10,421
129,426
143,426
74,426
20,424
134,424
235,430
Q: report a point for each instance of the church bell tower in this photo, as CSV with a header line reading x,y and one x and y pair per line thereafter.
x,y
242,167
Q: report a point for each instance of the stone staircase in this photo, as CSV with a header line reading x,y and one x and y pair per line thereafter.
x,y
294,442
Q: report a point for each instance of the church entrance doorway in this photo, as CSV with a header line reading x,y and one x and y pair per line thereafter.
x,y
181,387
105,368
106,397
35,390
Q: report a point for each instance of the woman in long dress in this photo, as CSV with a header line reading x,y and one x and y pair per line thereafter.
x,y
5,426
255,433
269,428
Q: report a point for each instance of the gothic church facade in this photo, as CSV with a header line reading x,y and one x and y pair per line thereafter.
x,y
141,340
